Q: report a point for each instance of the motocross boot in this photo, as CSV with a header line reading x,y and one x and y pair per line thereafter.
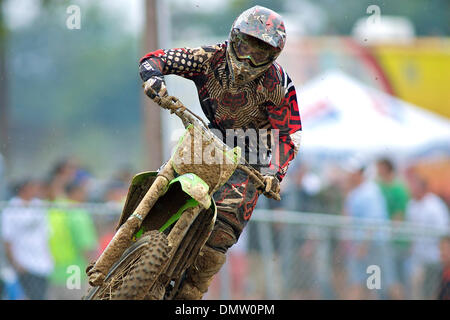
x,y
200,275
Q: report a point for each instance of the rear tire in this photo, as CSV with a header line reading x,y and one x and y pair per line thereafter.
x,y
137,270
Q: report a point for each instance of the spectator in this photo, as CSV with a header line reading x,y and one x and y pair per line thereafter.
x,y
394,191
331,196
106,230
444,288
300,191
125,174
62,174
73,241
25,236
396,195
116,193
365,201
428,210
115,196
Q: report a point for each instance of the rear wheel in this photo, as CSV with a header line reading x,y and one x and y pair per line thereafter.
x,y
137,271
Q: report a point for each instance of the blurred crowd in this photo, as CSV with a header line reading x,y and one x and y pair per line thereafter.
x,y
46,238
42,243
412,267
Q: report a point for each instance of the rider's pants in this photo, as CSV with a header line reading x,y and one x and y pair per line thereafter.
x,y
235,202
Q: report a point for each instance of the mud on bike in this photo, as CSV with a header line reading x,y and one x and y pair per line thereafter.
x,y
168,216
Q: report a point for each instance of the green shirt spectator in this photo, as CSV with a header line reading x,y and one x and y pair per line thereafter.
x,y
73,235
396,195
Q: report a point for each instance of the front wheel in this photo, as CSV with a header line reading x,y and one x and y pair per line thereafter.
x,y
137,270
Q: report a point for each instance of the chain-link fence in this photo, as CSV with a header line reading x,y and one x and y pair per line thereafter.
x,y
46,246
292,255
280,255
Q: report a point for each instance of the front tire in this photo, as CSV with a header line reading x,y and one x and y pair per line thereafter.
x,y
137,270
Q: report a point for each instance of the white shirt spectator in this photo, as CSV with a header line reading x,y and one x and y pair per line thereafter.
x,y
367,202
25,227
430,211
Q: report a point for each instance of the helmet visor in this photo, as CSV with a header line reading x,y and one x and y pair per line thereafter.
x,y
256,51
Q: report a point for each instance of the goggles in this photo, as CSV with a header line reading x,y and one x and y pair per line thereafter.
x,y
256,51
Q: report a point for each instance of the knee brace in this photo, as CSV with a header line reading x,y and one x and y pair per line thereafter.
x,y
222,237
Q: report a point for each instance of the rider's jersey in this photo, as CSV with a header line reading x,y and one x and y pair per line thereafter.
x,y
266,103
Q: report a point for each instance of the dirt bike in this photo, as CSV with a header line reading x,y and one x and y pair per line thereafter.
x,y
168,216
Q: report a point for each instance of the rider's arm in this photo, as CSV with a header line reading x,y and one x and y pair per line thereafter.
x,y
185,62
285,118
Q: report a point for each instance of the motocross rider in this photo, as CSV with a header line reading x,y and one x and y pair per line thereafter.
x,y
240,86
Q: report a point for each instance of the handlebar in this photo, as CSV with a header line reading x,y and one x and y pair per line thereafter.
x,y
174,105
258,179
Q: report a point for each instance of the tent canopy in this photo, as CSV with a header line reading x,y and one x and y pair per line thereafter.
x,y
340,114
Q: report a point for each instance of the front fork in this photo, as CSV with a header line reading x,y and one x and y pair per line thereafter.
x,y
122,239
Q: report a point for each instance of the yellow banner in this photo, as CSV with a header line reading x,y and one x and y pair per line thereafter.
x,y
419,73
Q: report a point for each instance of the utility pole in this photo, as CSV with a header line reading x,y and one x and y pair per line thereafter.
x,y
151,112
4,133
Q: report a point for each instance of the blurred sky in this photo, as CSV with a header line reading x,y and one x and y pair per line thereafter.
x,y
22,12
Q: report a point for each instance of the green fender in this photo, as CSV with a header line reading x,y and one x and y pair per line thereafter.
x,y
195,187
190,184
141,177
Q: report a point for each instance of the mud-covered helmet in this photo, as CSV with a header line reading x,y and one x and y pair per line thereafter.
x,y
256,39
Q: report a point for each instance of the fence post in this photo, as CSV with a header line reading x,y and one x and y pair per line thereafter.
x,y
287,252
324,262
267,250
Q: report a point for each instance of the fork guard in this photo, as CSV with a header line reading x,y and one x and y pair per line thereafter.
x,y
178,192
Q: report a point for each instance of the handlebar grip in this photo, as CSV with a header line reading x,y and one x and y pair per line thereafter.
x,y
259,181
275,196
176,106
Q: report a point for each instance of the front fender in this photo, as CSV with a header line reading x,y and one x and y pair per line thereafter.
x,y
194,186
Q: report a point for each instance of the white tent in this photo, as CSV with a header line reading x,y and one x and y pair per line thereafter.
x,y
341,115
